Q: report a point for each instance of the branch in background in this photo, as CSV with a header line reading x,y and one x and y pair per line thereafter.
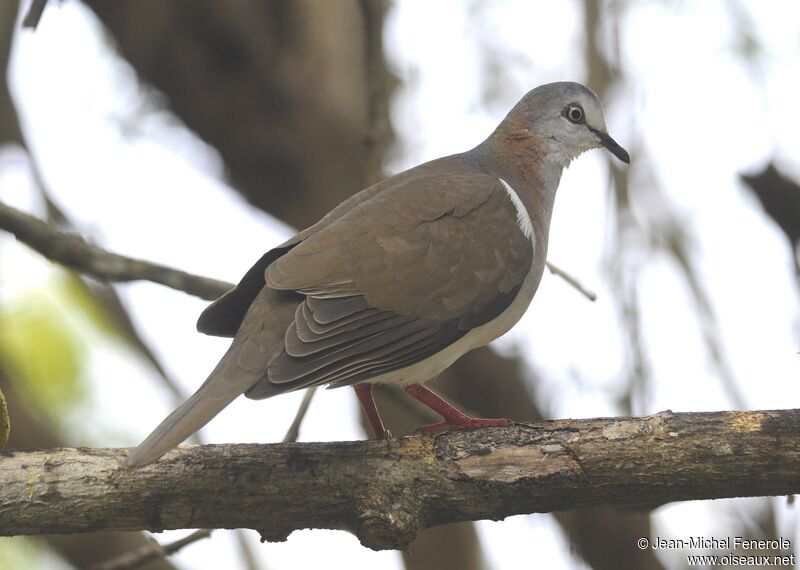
x,y
34,14
74,252
386,491
294,430
5,422
780,197
555,270
151,551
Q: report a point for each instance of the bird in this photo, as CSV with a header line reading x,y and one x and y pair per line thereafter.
x,y
401,279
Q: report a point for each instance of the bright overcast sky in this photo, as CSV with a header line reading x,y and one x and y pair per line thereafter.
x,y
702,115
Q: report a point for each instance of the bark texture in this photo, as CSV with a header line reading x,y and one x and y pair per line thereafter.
x,y
387,491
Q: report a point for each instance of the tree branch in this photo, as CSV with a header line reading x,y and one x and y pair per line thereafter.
x,y
580,287
150,551
386,491
5,421
34,14
294,429
74,252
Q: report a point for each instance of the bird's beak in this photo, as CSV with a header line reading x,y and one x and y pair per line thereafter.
x,y
612,145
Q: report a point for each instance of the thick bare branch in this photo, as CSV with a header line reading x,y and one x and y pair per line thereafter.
x,y
386,491
76,253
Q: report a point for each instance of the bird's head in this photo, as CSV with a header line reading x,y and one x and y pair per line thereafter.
x,y
562,120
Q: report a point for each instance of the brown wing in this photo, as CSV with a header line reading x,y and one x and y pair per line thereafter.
x,y
388,284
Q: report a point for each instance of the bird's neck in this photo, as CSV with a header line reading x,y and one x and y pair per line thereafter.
x,y
525,166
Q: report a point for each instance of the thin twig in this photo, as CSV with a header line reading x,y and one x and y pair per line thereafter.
x,y
247,553
74,252
5,422
555,270
294,430
149,552
34,14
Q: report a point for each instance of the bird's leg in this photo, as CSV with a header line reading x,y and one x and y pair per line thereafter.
x,y
364,393
452,416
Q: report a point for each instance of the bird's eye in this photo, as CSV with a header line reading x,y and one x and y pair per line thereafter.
x,y
574,113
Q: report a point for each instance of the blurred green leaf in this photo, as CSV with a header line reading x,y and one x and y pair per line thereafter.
x,y
28,552
5,422
41,345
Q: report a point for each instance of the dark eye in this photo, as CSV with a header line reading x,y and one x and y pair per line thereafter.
x,y
574,113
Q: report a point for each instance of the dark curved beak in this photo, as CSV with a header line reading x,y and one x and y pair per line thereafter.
x,y
612,146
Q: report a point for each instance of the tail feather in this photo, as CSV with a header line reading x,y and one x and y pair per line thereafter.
x,y
258,340
223,385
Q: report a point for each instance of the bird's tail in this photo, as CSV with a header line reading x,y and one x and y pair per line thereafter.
x,y
223,385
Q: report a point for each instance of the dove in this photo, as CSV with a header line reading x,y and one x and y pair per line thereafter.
x,y
401,279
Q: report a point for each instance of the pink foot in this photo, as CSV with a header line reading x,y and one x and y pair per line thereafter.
x,y
453,418
364,393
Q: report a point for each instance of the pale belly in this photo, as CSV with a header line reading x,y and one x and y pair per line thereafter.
x,y
429,368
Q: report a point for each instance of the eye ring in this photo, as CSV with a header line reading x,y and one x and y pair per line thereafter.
x,y
574,113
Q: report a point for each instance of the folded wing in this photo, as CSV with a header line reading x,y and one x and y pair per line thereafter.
x,y
387,286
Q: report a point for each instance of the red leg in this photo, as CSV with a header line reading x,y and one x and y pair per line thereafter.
x,y
452,416
364,393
